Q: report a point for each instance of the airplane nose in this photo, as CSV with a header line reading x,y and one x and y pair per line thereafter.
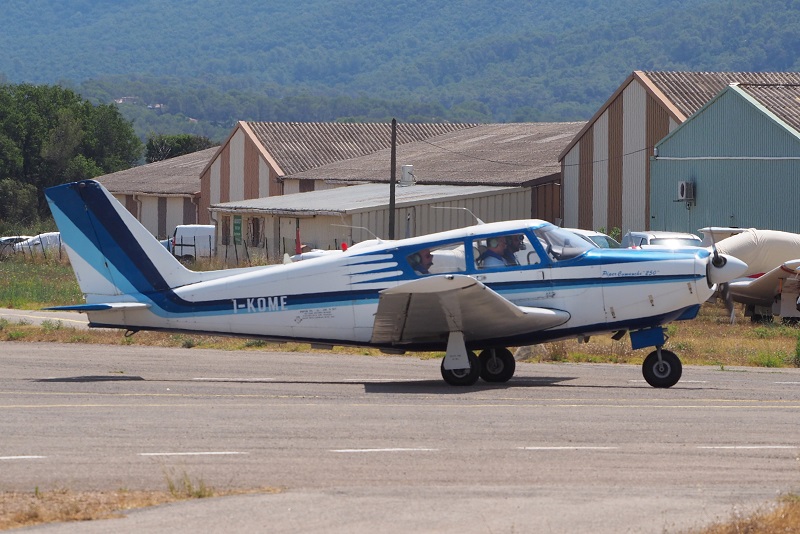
x,y
720,271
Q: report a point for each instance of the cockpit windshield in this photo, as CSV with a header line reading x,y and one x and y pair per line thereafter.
x,y
561,244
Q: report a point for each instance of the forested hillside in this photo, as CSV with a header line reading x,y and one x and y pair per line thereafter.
x,y
499,61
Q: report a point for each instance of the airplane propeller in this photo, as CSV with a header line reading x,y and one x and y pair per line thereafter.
x,y
719,261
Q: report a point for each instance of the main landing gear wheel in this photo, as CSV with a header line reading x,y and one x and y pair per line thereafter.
x,y
463,377
664,373
497,365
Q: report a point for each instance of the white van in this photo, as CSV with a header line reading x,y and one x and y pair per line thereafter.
x,y
192,241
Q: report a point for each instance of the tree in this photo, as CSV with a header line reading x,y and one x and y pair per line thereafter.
x,y
17,202
160,147
49,135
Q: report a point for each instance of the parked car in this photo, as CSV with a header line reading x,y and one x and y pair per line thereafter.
x,y
192,241
39,244
660,239
7,243
596,238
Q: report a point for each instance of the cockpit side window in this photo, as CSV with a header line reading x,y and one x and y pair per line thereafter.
x,y
561,244
440,259
504,251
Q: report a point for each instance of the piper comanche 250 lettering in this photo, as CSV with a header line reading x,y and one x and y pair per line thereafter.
x,y
476,289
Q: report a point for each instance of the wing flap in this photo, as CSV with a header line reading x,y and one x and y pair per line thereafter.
x,y
427,310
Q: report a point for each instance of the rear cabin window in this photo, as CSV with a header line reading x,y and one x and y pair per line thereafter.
x,y
448,258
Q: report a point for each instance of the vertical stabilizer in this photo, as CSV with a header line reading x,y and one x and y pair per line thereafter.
x,y
111,252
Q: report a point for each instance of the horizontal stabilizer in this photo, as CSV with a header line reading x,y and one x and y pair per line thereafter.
x,y
117,306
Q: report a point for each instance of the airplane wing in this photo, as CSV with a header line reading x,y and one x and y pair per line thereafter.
x,y
762,290
430,308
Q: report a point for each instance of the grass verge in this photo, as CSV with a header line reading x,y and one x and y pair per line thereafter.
x,y
37,507
782,518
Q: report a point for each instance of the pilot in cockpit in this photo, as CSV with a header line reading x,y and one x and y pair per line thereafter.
x,y
494,255
421,261
514,243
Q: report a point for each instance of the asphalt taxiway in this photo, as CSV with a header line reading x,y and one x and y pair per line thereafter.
x,y
381,444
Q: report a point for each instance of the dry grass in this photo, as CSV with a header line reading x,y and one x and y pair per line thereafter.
x,y
784,518
709,339
27,509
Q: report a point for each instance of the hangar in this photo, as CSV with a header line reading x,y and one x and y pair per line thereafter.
x,y
268,227
735,162
163,194
606,167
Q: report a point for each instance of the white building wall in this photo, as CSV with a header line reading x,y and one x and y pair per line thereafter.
x,y
322,185
635,157
291,186
148,215
214,179
263,178
237,166
570,187
600,173
174,213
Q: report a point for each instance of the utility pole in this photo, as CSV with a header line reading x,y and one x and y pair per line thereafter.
x,y
392,179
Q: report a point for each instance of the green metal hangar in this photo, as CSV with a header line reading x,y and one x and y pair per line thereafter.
x,y
735,162
606,168
267,228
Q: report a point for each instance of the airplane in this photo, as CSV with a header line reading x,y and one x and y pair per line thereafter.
x,y
438,292
771,284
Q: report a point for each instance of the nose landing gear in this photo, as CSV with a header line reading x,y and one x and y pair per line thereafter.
x,y
662,368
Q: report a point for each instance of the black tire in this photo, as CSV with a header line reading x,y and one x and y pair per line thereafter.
x,y
497,365
663,374
463,377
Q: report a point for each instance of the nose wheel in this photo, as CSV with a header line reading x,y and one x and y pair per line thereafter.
x,y
662,368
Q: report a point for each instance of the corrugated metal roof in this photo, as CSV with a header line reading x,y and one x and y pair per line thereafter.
x,y
690,91
299,146
498,154
782,100
179,175
352,199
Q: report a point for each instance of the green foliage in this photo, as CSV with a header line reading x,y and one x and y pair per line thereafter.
x,y
34,283
49,135
367,60
18,202
796,359
185,488
160,147
769,359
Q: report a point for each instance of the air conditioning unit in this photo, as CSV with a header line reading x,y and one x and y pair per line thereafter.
x,y
685,190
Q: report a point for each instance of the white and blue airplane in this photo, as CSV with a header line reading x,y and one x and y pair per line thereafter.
x,y
480,288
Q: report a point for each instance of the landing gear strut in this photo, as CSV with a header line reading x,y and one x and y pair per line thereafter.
x,y
662,368
463,377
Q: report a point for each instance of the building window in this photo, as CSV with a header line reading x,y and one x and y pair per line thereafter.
x,y
255,228
226,230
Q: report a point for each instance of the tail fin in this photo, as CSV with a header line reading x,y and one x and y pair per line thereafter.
x,y
112,254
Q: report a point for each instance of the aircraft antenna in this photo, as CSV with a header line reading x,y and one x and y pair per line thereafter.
x,y
370,232
477,219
